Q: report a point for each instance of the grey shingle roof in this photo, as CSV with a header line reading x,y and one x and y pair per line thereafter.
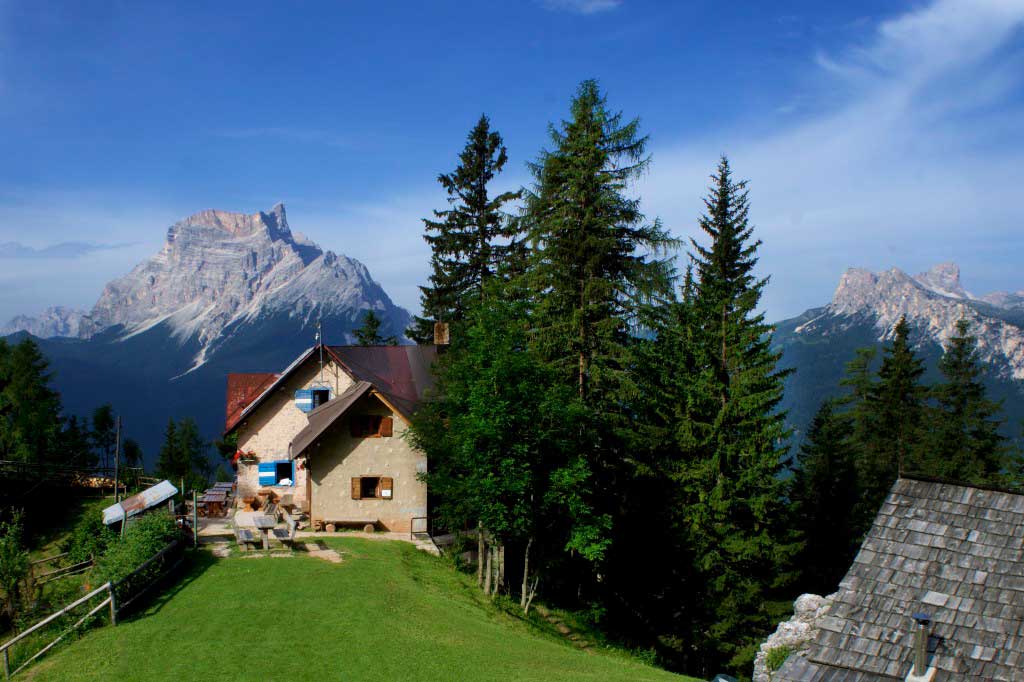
x,y
952,551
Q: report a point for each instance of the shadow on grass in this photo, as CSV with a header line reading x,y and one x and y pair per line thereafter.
x,y
196,562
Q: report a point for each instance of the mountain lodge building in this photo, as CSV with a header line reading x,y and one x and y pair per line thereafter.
x,y
326,434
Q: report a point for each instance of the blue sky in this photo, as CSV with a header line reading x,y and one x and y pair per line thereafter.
x,y
874,134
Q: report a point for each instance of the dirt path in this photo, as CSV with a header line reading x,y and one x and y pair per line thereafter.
x,y
577,639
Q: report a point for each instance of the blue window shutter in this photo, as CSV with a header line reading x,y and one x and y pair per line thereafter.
x,y
304,399
267,473
293,472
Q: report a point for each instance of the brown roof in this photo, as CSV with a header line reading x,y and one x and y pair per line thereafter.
x,y
401,374
322,417
951,551
242,390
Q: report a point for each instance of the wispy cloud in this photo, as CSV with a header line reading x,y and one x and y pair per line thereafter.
x,y
907,152
300,135
63,250
581,6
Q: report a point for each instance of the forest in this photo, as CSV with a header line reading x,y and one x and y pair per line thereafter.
x,y
607,414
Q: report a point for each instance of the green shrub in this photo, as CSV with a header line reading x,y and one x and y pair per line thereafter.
x,y
776,657
144,537
89,538
13,563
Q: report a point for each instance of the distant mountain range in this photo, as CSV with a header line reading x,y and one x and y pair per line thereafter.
x,y
228,292
864,310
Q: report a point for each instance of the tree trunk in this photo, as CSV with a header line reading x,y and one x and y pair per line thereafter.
x,y
479,554
487,572
526,575
501,568
492,562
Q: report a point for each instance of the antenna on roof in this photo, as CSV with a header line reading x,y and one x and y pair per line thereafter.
x,y
320,344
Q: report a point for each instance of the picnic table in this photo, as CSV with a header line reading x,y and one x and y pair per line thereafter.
x,y
213,502
226,486
262,522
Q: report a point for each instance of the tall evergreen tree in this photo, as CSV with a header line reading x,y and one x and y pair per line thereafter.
x,y
183,454
734,440
963,442
591,263
824,494
103,433
30,422
369,333
471,240
895,406
75,445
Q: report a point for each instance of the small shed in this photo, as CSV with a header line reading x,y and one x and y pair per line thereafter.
x,y
136,504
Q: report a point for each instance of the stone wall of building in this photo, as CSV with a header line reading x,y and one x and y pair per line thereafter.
x,y
794,634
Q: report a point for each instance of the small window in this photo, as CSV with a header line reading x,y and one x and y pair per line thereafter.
x,y
320,396
281,472
372,487
371,426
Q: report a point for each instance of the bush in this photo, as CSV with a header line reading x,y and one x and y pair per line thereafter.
x,y
89,538
776,657
144,537
13,563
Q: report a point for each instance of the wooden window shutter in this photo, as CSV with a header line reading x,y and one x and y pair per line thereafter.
x,y
357,489
387,427
387,487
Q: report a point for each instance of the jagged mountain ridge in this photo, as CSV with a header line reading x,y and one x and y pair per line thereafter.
x,y
864,311
228,292
218,270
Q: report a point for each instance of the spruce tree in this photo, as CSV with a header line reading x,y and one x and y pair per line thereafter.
x,y
591,261
369,333
734,440
963,441
30,422
895,406
823,495
470,240
103,433
183,454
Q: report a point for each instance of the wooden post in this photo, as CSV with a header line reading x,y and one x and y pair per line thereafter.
x,y
195,520
117,462
7,664
113,604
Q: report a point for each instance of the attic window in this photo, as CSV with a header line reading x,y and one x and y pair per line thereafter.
x,y
320,396
371,426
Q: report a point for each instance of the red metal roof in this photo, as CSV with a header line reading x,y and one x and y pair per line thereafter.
x,y
242,390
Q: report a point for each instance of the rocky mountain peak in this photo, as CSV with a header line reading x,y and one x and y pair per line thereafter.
x,y
273,224
943,279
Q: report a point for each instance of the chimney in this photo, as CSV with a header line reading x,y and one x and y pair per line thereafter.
x,y
441,333
921,672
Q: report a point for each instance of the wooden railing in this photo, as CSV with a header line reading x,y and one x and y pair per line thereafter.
x,y
120,593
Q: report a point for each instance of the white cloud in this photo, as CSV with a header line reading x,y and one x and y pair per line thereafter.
x,y
913,157
581,6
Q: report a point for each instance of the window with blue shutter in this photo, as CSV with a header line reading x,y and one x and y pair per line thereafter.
x,y
280,472
304,399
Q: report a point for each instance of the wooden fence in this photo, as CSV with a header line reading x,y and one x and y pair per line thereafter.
x,y
120,594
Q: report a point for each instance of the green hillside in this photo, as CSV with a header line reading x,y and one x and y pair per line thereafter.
x,y
387,612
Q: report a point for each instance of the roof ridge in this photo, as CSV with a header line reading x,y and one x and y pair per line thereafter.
x,y
921,478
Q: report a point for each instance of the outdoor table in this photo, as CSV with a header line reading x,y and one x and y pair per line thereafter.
x,y
214,502
264,522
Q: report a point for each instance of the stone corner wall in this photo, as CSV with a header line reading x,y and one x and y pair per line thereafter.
x,y
795,633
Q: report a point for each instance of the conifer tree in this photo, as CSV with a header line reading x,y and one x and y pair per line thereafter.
x,y
29,409
823,495
369,334
963,441
471,240
75,445
102,433
895,405
183,454
734,440
591,263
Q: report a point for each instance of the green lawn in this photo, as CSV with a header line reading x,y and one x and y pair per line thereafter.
x,y
388,612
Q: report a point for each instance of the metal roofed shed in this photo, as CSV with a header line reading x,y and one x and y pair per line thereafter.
x,y
136,504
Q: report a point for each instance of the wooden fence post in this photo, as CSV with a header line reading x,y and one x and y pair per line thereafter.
x,y
113,604
7,665
195,521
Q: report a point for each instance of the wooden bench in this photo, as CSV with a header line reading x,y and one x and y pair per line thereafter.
x,y
286,535
247,536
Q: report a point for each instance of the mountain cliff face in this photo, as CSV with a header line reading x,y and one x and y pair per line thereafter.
x,y
218,271
863,312
228,292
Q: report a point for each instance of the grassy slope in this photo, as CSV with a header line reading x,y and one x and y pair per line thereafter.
x,y
387,612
